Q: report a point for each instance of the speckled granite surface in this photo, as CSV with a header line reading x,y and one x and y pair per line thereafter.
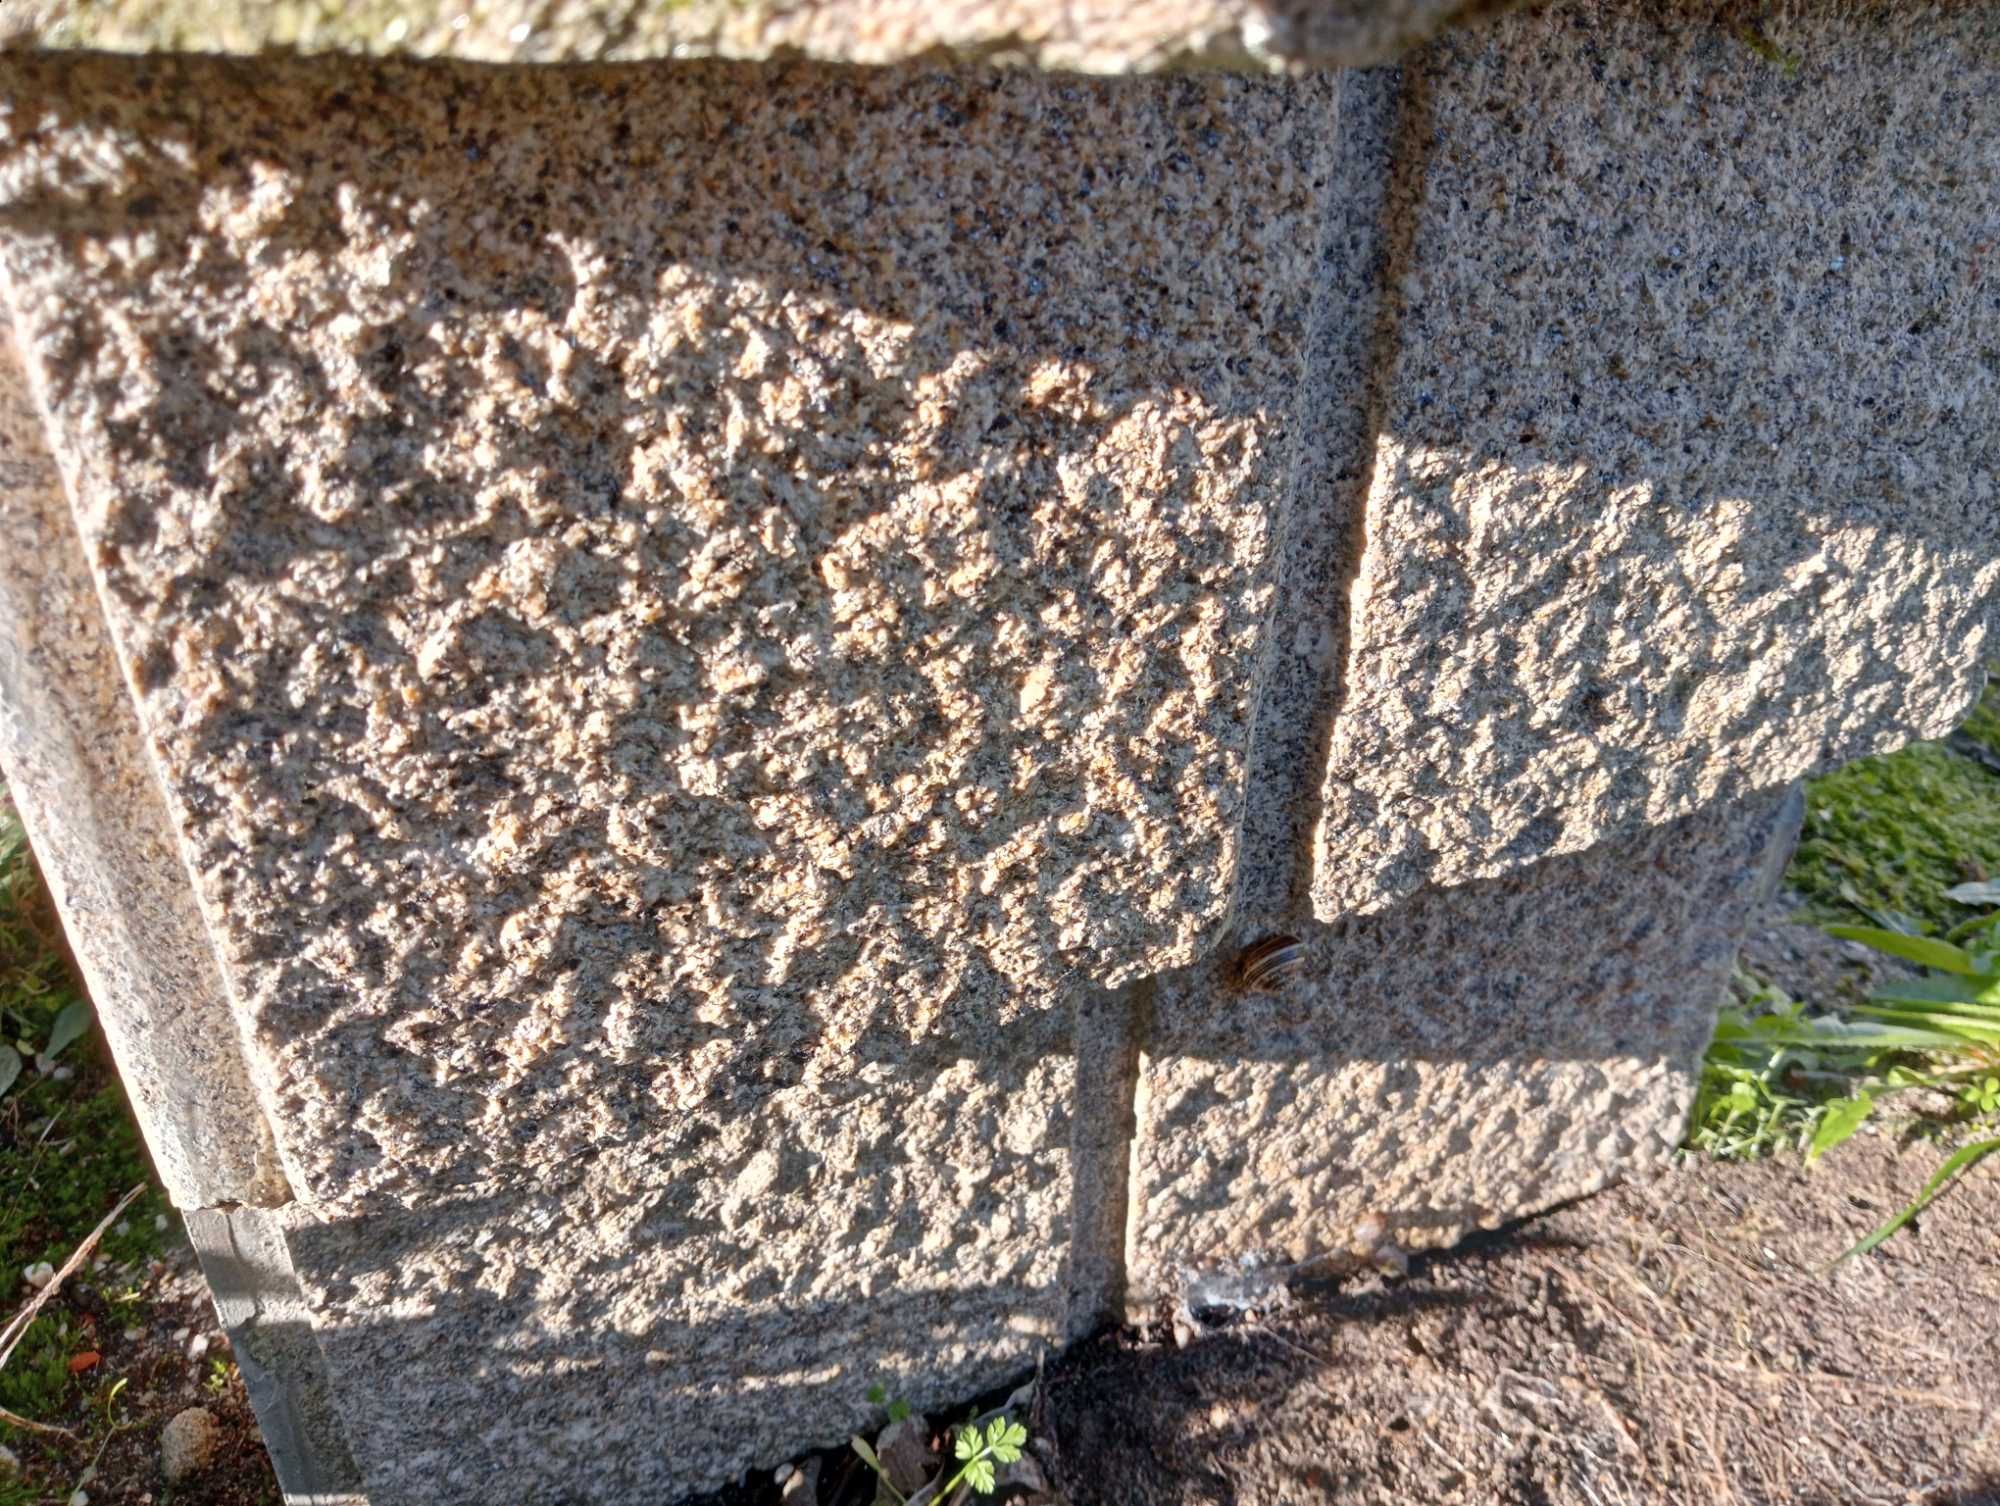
x,y
631,1338
1094,36
683,623
1685,476
649,590
1472,1056
700,621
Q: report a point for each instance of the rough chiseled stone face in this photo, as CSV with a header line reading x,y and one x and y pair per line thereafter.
x,y
1684,482
653,587
904,1226
1472,1056
699,624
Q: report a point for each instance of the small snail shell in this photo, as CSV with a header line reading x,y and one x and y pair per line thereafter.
x,y
1269,962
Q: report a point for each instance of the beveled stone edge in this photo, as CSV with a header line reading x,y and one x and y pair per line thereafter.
x,y
78,772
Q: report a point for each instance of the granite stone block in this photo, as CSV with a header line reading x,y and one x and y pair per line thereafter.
x,y
1471,1056
652,585
719,649
1685,453
638,1336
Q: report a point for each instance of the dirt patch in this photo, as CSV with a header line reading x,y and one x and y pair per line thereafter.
x,y
1679,1341
160,1351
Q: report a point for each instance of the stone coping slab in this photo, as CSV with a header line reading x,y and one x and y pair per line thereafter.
x,y
1097,36
79,773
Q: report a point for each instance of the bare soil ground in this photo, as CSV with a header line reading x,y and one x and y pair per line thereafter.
x,y
171,1353
1680,1341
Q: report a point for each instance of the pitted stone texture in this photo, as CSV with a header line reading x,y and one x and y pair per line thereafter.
x,y
1095,36
76,769
1467,1058
634,1340
648,581
1685,482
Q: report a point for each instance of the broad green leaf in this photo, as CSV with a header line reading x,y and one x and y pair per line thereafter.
x,y
1005,1439
1925,950
1949,1024
10,1067
69,1026
979,1475
1986,892
1842,1120
967,1444
1960,1160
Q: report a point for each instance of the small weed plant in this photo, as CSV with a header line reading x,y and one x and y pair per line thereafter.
x,y
42,1014
1776,1076
977,1447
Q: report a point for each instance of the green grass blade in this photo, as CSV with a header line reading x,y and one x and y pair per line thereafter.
x,y
1981,1029
1917,1016
1973,927
1925,950
1975,988
1961,1160
1860,1037
1932,1009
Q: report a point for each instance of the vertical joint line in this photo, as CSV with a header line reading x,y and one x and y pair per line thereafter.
x,y
1112,1027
